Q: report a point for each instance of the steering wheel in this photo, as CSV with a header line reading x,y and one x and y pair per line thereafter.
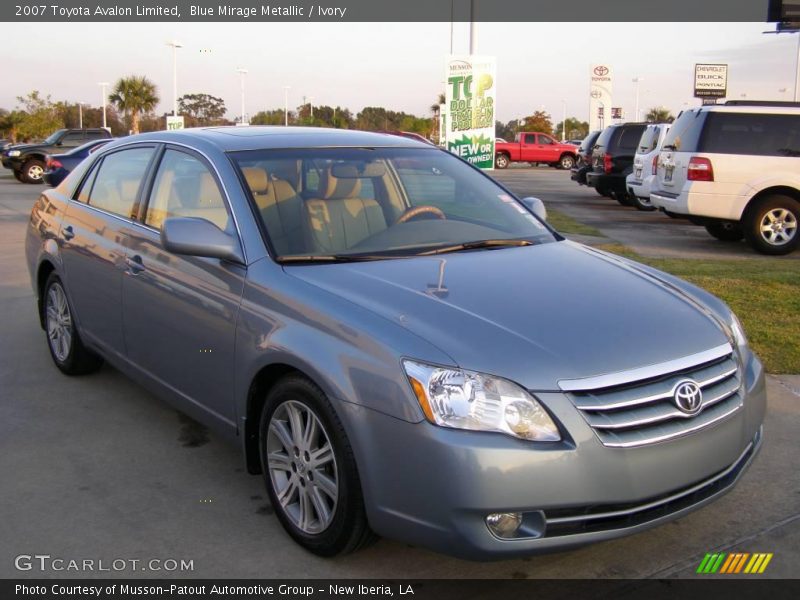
x,y
413,213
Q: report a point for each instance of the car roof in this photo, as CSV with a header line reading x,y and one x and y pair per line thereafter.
x,y
254,137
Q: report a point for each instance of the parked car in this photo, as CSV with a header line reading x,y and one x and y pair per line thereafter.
x,y
407,134
535,148
612,160
644,166
396,342
575,142
28,160
58,166
735,168
584,162
499,140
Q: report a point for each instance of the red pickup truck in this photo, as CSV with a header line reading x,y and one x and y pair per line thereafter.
x,y
535,148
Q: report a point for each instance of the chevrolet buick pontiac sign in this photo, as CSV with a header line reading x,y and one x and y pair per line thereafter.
x,y
710,81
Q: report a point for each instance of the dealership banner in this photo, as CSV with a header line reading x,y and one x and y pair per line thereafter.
x,y
470,100
710,81
599,96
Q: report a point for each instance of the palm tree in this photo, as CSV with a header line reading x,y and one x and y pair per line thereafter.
x,y
134,95
658,115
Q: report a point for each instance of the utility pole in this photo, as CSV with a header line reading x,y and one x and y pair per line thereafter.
x,y
286,89
80,115
311,105
242,72
564,122
637,81
103,85
175,45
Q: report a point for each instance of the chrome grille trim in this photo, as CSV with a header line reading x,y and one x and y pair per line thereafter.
x,y
656,503
644,412
640,373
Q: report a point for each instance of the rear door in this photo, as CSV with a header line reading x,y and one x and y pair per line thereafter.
x,y
180,312
527,148
95,230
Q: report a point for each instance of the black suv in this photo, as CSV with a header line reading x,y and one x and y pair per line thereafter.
x,y
28,160
612,160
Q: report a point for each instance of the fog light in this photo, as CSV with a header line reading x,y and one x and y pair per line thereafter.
x,y
504,525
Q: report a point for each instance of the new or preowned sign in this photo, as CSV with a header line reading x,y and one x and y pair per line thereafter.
x,y
470,96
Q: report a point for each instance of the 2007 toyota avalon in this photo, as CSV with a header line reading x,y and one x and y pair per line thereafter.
x,y
398,344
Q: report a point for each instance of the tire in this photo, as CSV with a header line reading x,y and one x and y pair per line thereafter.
x,y
725,231
66,348
771,224
287,462
623,198
640,204
603,191
33,171
501,161
567,162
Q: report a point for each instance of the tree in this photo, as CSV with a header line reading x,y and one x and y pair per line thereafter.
x,y
92,117
539,121
10,123
271,117
576,130
135,95
202,110
39,116
659,114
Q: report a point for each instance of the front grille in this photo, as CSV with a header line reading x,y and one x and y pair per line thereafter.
x,y
586,519
640,412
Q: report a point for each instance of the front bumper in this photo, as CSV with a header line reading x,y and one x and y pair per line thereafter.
x,y
433,487
12,162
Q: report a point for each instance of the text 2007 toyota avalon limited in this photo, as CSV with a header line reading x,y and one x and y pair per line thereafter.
x,y
397,343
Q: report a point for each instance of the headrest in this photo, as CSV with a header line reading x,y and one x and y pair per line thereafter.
x,y
334,188
207,191
257,179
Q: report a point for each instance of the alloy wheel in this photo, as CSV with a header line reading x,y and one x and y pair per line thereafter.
x,y
35,172
302,467
778,226
59,322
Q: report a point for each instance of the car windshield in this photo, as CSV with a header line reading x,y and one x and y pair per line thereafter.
x,y
53,137
369,203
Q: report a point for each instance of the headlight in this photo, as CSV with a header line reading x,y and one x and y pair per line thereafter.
x,y
14,152
467,400
738,333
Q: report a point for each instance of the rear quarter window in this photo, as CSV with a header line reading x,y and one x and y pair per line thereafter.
x,y
684,134
751,133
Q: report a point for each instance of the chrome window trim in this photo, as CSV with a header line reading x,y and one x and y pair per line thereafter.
x,y
640,373
225,193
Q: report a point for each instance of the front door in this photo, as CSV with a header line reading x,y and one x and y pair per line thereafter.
x,y
180,312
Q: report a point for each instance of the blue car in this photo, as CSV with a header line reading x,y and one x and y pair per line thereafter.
x,y
58,166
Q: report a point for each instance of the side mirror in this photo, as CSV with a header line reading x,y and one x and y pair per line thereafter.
x,y
536,206
197,237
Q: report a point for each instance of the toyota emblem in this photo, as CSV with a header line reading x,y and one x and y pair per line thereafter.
x,y
601,71
688,396
596,94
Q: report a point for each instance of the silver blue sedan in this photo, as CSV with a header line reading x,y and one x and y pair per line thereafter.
x,y
398,345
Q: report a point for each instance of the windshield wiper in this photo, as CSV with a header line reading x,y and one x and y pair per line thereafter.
x,y
300,258
477,244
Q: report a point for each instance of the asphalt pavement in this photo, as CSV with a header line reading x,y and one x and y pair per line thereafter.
x,y
96,468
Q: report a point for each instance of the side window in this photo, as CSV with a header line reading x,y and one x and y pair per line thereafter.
x,y
754,134
543,139
72,140
184,187
95,135
530,138
115,186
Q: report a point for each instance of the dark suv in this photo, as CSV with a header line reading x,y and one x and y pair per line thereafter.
x,y
28,160
584,163
612,160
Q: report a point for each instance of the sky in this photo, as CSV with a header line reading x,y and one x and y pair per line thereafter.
x,y
396,65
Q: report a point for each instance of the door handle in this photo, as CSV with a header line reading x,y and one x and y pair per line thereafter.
x,y
134,264
67,232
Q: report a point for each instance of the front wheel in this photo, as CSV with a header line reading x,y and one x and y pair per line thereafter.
x,y
771,224
725,231
310,470
501,161
566,162
66,347
33,171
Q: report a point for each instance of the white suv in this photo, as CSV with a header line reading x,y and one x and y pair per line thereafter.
x,y
735,168
644,165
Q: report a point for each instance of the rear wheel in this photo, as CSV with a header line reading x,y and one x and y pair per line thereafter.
x,y
622,197
310,470
33,171
726,231
642,203
771,224
501,161
66,347
567,161
603,191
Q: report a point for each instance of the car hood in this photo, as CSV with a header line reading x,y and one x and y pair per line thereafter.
x,y
533,314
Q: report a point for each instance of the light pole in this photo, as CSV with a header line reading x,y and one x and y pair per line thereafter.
x,y
103,85
311,105
175,45
472,32
286,89
242,72
80,115
637,81
564,121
